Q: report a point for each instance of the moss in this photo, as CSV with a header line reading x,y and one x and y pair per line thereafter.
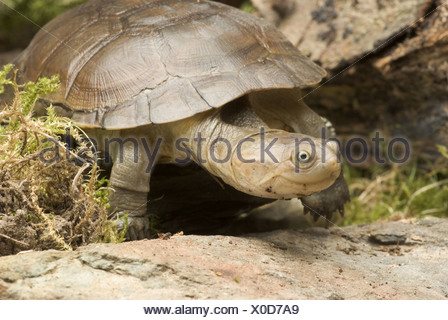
x,y
110,233
102,191
65,203
248,6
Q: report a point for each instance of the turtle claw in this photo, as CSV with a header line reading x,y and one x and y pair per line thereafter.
x,y
138,228
325,203
128,207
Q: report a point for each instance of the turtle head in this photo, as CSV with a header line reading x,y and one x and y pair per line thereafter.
x,y
283,165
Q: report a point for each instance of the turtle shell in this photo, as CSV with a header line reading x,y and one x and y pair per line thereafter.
x,y
127,63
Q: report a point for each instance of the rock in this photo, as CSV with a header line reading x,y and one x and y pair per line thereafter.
x,y
336,263
388,238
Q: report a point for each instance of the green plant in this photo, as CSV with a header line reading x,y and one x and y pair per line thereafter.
x,y
248,6
66,204
395,192
20,19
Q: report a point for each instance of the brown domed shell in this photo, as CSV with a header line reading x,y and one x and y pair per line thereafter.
x,y
129,63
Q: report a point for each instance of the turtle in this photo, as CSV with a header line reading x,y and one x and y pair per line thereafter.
x,y
175,81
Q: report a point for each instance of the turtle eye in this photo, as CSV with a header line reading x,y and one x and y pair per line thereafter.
x,y
303,159
303,156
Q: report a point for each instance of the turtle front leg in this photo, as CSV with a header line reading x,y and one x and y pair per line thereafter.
x,y
133,204
129,182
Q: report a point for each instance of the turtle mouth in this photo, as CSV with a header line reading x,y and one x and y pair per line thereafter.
x,y
329,175
282,187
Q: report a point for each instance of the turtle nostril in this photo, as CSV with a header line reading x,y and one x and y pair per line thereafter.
x,y
333,164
